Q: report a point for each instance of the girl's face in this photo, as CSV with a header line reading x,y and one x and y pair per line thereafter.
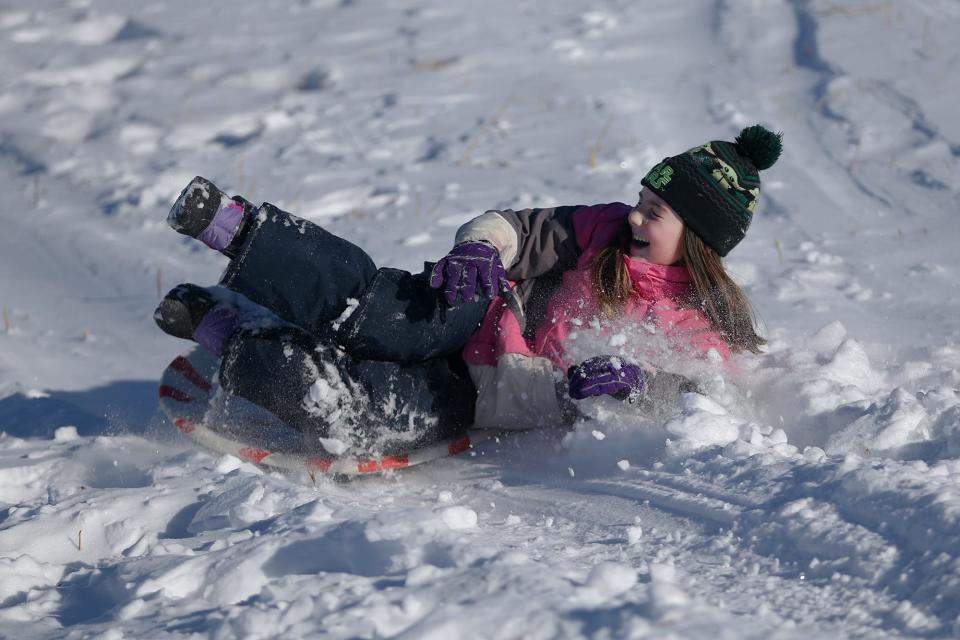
x,y
657,230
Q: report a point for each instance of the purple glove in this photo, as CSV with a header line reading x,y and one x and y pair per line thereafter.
x,y
215,328
606,375
471,268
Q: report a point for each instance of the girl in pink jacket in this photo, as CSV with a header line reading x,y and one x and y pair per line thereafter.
x,y
644,282
530,309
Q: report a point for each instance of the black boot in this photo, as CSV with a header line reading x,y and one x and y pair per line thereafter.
x,y
205,212
195,207
192,313
181,311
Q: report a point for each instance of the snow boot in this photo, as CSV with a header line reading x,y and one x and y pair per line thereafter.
x,y
192,313
205,212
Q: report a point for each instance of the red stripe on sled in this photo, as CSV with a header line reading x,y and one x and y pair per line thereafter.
x,y
395,462
183,366
387,462
459,446
184,425
173,393
367,466
253,455
319,464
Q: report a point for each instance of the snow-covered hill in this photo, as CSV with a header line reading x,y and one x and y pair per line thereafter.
x,y
822,498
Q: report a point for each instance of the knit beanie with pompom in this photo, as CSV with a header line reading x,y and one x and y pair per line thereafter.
x,y
715,187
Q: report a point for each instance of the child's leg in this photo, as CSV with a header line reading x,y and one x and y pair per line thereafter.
x,y
400,318
374,405
288,265
297,269
306,276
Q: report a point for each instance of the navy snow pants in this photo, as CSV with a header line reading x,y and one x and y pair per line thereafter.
x,y
387,376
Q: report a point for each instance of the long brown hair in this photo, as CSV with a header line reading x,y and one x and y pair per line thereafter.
x,y
714,292
611,280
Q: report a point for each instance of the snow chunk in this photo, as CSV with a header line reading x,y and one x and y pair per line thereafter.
x,y
828,338
227,463
245,501
618,340
352,304
610,579
65,434
459,517
896,422
663,572
703,423
334,446
316,511
665,594
850,365
23,573
914,619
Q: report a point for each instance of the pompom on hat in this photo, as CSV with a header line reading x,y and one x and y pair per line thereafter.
x,y
715,187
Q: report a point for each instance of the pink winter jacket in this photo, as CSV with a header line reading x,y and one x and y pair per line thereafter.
x,y
658,291
516,374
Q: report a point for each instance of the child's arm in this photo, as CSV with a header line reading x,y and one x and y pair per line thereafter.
x,y
531,242
624,380
663,389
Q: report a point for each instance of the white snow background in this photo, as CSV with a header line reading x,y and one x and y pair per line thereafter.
x,y
824,501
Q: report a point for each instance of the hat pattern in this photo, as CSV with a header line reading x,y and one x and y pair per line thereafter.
x,y
727,177
715,187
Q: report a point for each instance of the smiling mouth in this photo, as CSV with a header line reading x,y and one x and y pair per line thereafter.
x,y
640,244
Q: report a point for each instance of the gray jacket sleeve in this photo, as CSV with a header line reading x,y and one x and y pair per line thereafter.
x,y
662,391
531,242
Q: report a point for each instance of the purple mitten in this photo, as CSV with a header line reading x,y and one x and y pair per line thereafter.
x,y
470,269
215,328
606,375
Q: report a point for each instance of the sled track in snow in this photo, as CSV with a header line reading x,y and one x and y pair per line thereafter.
x,y
694,504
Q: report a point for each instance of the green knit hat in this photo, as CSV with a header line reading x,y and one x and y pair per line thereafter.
x,y
715,187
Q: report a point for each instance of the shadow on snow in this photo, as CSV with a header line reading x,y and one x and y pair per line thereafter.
x,y
126,406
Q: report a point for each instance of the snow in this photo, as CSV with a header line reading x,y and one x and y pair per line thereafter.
x,y
815,491
459,517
